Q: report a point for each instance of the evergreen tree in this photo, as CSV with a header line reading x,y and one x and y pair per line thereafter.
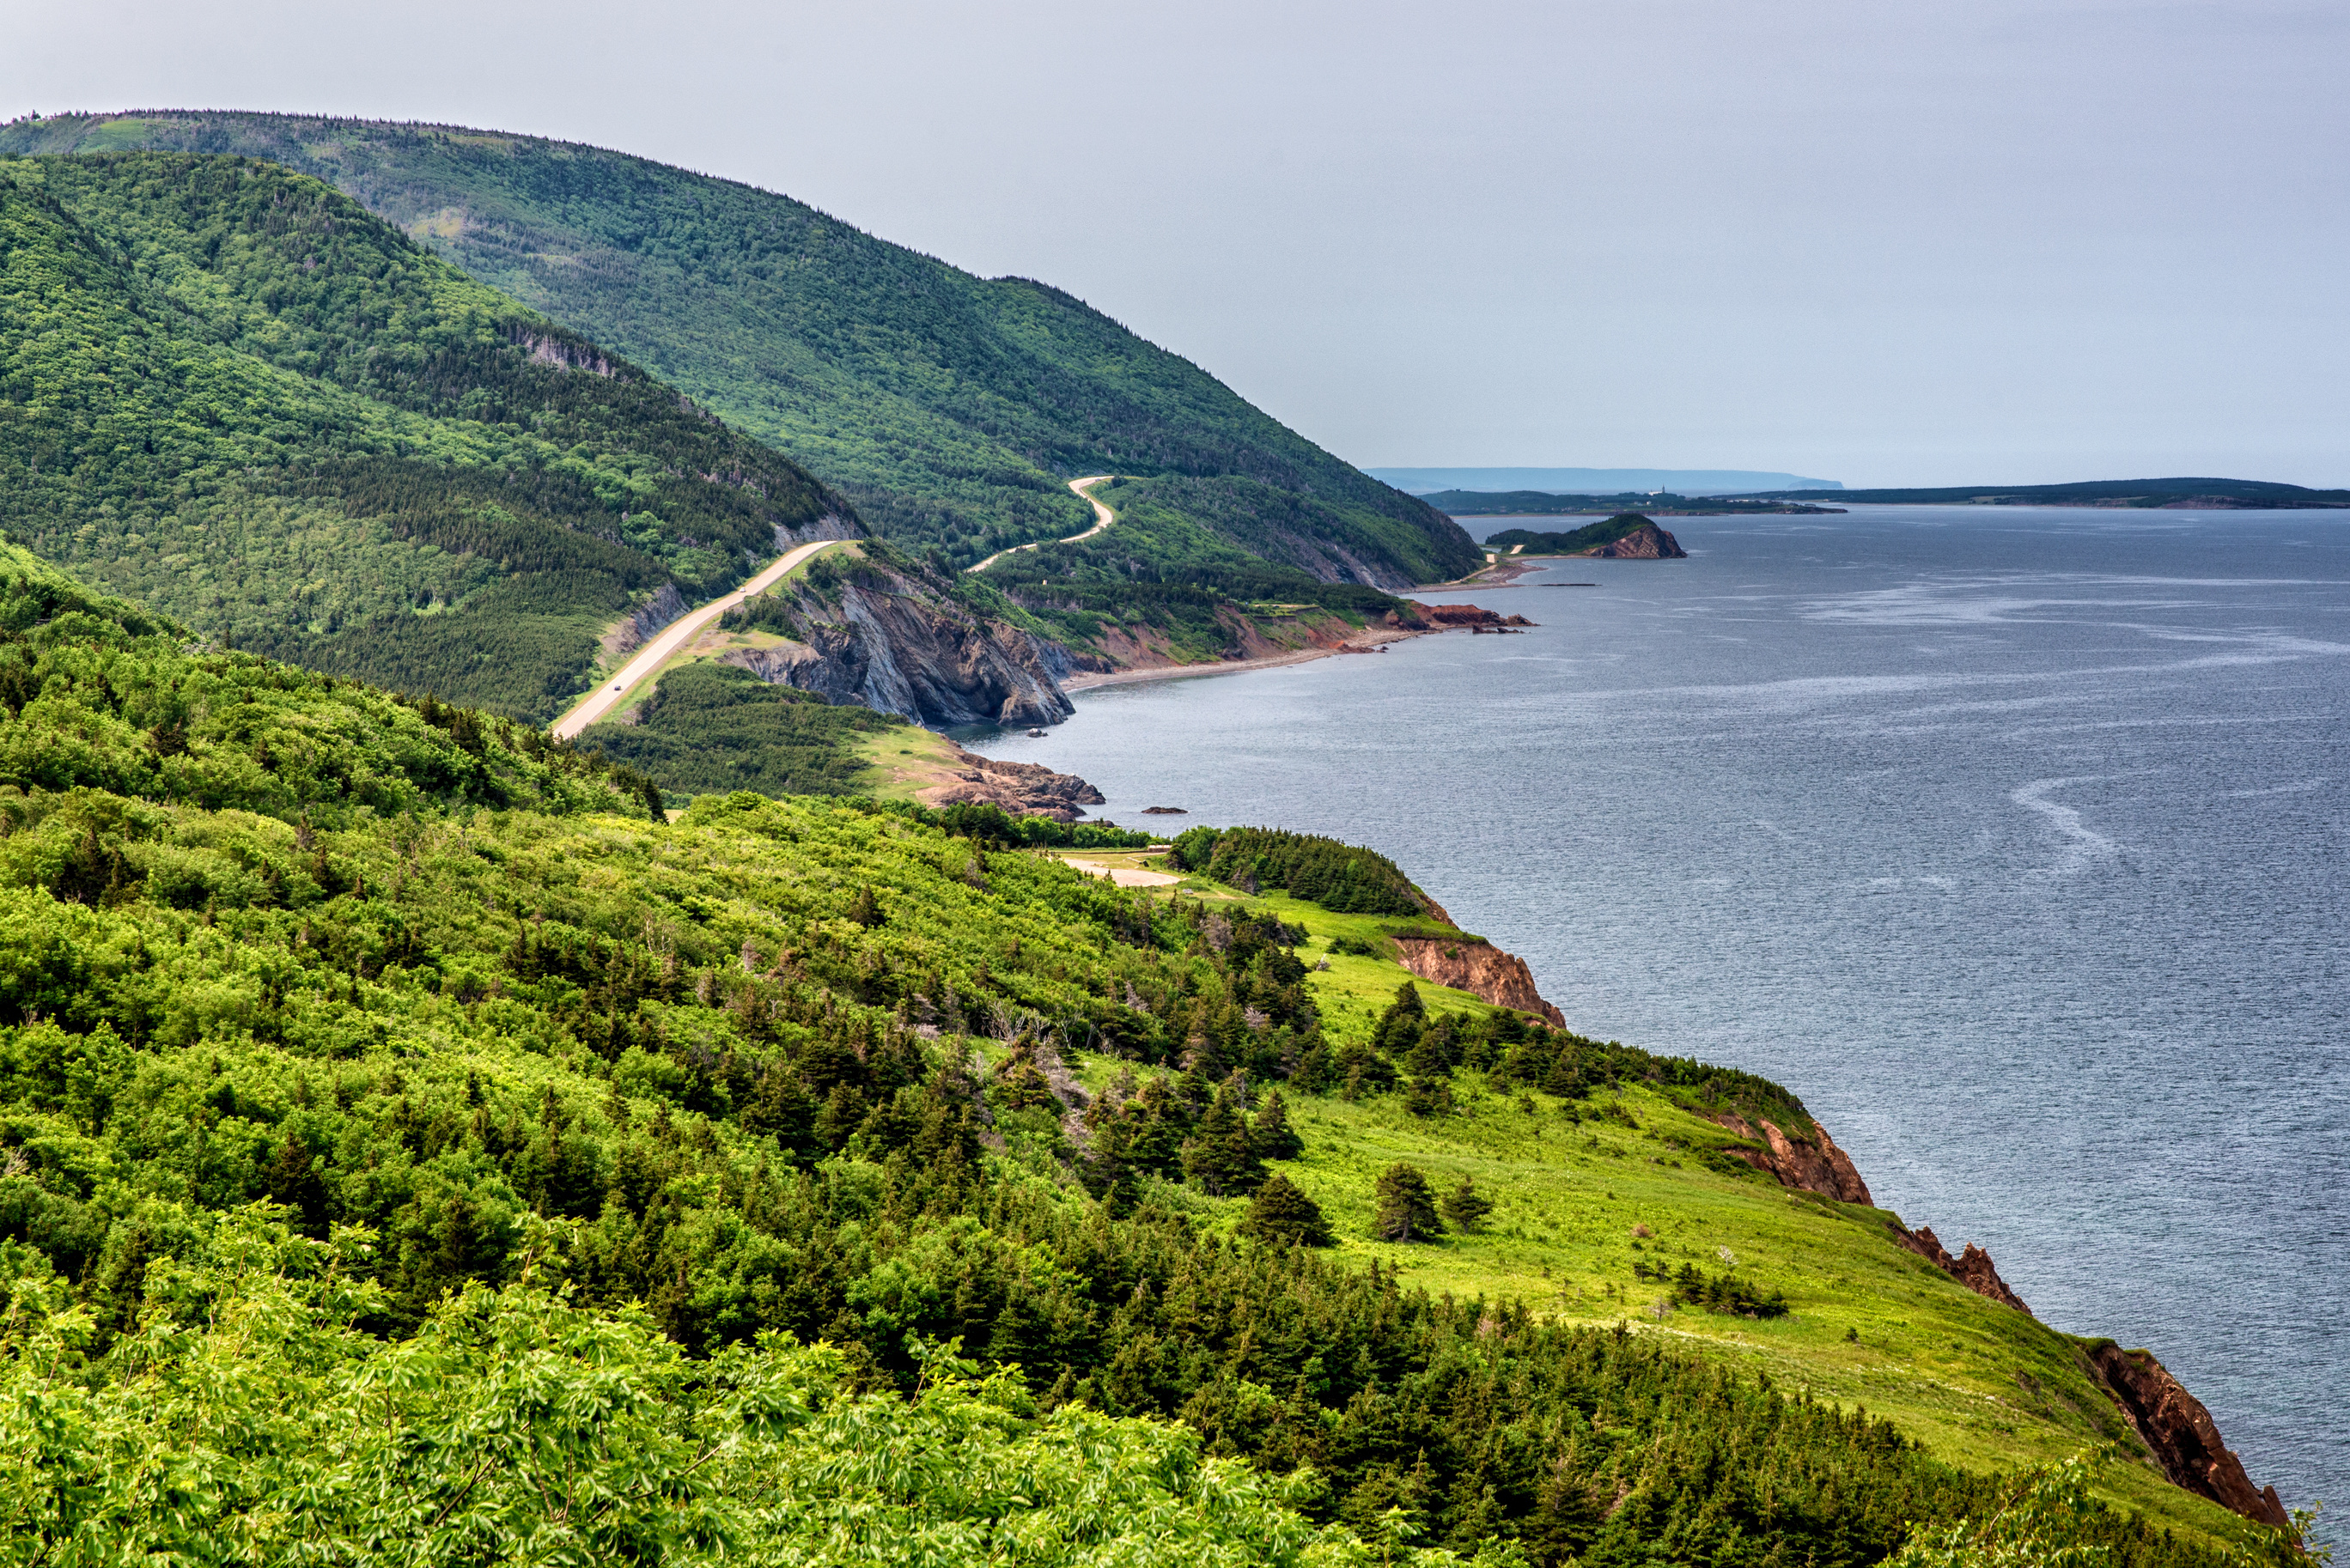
x,y
1271,1133
1220,1155
867,911
1280,1213
1465,1206
1406,1207
1401,1025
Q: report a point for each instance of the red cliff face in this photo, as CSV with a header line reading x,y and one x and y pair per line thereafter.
x,y
2180,1432
1480,968
1972,1268
2176,1428
1814,1166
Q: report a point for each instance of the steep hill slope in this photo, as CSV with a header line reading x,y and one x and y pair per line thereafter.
x,y
948,406
363,1056
233,394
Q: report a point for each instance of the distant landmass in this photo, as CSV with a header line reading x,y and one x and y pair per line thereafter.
x,y
1596,481
1661,502
2179,495
1628,536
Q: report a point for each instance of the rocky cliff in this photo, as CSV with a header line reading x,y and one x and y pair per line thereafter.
x,y
1812,1164
1023,789
2180,1432
1973,1268
883,633
1646,543
1478,967
2176,1427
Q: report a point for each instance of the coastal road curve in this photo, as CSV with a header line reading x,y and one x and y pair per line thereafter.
x,y
1102,518
668,639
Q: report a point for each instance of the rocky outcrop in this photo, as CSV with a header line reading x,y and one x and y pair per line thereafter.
x,y
1023,789
1810,1164
1477,968
2185,1441
1442,618
893,641
1646,543
831,525
646,619
2175,1425
1973,1268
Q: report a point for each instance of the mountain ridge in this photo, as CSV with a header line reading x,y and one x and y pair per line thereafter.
x,y
948,407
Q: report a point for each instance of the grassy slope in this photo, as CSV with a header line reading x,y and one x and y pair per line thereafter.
x,y
1978,1383
270,935
949,407
230,392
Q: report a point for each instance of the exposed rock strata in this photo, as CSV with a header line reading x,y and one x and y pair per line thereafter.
x,y
1973,1268
831,525
646,619
1480,968
1810,1165
2180,1432
888,642
1023,789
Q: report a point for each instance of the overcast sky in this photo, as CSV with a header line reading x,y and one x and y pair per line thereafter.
x,y
1890,242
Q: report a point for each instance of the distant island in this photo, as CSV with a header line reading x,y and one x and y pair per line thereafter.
x,y
2173,494
1543,503
1626,537
1426,481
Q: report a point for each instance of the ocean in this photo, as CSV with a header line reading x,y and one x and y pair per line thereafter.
x,y
2013,840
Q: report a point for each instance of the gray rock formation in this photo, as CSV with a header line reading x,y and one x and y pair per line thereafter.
x,y
880,634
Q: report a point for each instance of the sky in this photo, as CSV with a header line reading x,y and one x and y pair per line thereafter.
x,y
1890,242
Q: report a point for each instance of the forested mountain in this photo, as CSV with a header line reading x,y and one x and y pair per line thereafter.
x,y
416,1149
233,394
949,408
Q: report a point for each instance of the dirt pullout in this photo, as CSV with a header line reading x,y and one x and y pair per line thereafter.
x,y
1807,1164
1023,789
1973,1268
1481,969
2185,1439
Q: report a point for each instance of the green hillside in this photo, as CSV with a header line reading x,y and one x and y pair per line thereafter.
x,y
417,1149
230,393
949,408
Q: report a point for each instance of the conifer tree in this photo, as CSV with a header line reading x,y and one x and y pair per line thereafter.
x,y
1271,1133
1219,1156
1280,1213
1466,1207
1407,1206
1401,1025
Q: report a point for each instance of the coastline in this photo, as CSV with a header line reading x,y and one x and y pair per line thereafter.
x,y
1370,638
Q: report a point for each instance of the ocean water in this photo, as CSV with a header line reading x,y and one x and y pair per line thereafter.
x,y
2014,841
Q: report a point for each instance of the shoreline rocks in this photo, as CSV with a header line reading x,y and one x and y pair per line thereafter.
x,y
1023,789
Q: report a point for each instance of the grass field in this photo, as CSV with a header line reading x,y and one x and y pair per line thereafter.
x,y
1585,1191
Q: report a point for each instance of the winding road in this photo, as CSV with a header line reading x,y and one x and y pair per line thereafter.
x,y
1103,517
668,639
